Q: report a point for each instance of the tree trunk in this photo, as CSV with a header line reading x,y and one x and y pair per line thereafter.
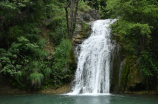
x,y
71,21
71,15
75,14
67,19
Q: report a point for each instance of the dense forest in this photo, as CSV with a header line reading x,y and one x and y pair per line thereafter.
x,y
136,32
35,48
35,39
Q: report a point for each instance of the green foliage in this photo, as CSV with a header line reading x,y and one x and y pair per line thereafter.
x,y
8,66
15,32
40,10
83,6
24,60
85,30
128,34
18,56
125,72
35,76
84,26
99,5
58,26
19,60
148,65
135,31
61,63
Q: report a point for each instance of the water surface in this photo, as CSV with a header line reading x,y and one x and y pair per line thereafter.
x,y
77,99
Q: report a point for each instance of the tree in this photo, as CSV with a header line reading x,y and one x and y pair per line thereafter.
x,y
73,13
135,31
140,18
26,26
99,5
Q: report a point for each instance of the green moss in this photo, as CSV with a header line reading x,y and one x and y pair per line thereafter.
x,y
72,62
130,78
80,37
83,7
125,72
115,71
85,30
84,26
115,79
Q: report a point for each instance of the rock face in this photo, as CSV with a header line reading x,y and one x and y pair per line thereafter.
x,y
125,76
88,16
83,27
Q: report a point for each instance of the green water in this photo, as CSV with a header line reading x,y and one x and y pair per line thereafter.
x,y
81,99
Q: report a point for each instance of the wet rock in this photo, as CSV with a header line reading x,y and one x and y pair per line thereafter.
x,y
83,28
77,41
94,14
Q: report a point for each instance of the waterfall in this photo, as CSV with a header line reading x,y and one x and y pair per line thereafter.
x,y
93,67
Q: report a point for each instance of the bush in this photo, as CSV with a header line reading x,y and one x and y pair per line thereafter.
x,y
61,63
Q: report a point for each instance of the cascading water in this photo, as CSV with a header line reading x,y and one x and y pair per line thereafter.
x,y
92,74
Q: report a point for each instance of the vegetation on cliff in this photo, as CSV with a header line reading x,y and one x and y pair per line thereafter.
x,y
136,32
35,50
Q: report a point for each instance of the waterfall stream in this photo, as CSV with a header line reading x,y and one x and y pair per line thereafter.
x,y
93,67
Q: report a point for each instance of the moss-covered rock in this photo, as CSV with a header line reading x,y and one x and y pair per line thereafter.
x,y
130,78
115,70
83,26
125,75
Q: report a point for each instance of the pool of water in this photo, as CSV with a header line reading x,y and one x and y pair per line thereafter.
x,y
77,99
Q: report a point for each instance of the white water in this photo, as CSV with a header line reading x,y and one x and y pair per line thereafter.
x,y
93,70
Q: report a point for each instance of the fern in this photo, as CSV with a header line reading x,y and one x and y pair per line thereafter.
x,y
36,78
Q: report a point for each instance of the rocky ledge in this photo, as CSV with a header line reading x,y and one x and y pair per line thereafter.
x,y
83,28
83,25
